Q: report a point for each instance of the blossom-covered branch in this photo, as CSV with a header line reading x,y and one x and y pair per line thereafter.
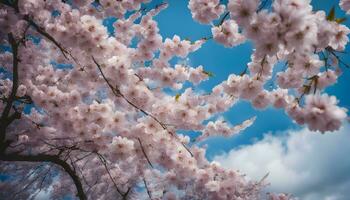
x,y
108,105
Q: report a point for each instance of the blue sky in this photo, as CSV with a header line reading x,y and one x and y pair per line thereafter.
x,y
176,19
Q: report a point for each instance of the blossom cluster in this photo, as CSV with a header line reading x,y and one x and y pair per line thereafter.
x,y
291,33
205,11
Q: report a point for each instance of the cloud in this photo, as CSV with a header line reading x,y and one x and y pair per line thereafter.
x,y
307,164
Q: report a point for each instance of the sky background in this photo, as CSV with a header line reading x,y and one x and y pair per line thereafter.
x,y
310,165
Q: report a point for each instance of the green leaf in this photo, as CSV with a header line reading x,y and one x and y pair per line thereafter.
x,y
340,20
210,74
331,15
177,97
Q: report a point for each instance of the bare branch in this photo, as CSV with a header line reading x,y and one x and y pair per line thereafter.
x,y
52,159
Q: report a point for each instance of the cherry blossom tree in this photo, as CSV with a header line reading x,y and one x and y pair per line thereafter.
x,y
87,113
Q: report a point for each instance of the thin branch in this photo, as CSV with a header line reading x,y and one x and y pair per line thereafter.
x,y
223,19
144,153
29,174
39,29
117,93
37,177
83,157
147,189
52,159
41,183
46,35
339,59
126,193
104,162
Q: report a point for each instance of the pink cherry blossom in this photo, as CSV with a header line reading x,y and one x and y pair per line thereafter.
x,y
205,11
345,5
94,114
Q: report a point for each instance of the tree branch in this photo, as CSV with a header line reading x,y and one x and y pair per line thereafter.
x,y
47,36
147,189
5,120
39,29
52,159
144,153
117,93
104,162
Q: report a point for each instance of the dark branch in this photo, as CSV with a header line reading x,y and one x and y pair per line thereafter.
x,y
144,153
147,189
39,29
46,35
15,61
117,93
52,159
104,162
5,120
223,19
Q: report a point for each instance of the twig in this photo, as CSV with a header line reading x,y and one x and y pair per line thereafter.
x,y
48,36
104,162
223,19
147,189
49,158
144,153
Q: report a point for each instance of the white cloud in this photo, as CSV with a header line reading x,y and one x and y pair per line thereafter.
x,y
307,164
